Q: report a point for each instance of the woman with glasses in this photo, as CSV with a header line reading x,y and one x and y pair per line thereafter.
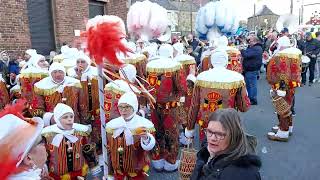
x,y
227,155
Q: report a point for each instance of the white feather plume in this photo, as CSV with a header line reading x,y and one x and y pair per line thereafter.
x,y
216,19
147,20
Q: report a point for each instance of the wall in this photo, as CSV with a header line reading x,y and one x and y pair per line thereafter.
x,y
118,8
69,15
14,27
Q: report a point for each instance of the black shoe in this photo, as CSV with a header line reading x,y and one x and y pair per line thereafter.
x,y
310,83
254,103
293,113
302,84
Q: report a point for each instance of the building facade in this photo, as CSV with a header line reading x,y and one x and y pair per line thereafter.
x,y
46,24
264,19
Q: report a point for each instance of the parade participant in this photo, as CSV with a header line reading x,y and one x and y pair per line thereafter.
x,y
284,75
114,90
15,92
150,51
188,62
65,143
88,96
234,55
140,45
27,56
22,151
89,99
36,71
130,137
55,89
191,79
167,78
235,59
136,59
189,65
216,88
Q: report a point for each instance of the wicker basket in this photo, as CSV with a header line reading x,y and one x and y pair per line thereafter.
x,y
187,162
281,106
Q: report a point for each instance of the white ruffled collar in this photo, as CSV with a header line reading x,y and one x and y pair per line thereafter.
x,y
31,174
122,86
220,74
34,70
90,73
47,83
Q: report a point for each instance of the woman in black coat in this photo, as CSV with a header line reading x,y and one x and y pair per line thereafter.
x,y
227,155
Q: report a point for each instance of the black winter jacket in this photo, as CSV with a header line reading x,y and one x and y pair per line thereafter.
x,y
310,48
252,58
245,168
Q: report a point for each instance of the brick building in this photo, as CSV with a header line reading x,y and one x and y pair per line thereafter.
x,y
46,24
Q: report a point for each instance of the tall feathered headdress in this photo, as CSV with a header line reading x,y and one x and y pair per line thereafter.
x,y
216,19
104,39
17,136
147,20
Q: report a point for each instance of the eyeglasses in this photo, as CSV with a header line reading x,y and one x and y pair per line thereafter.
x,y
217,135
124,108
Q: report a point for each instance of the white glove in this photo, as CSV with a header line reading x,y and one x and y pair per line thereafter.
x,y
188,133
281,93
271,92
142,112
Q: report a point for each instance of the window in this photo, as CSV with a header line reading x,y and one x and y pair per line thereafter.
x,y
96,8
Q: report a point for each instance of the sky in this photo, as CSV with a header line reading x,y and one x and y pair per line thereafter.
x,y
279,7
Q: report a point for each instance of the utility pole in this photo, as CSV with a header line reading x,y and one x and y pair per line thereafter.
x,y
291,7
191,15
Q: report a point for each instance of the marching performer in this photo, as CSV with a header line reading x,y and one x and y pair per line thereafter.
x,y
55,89
284,75
215,89
68,145
189,65
114,90
89,99
188,62
167,78
140,62
234,57
130,137
27,56
22,151
36,71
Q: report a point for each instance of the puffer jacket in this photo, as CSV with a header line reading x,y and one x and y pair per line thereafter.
x,y
252,58
246,167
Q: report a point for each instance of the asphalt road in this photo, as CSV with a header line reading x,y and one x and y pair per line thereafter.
x,y
297,159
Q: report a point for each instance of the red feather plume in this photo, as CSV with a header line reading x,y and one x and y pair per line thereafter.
x,y
104,41
16,109
7,160
7,164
